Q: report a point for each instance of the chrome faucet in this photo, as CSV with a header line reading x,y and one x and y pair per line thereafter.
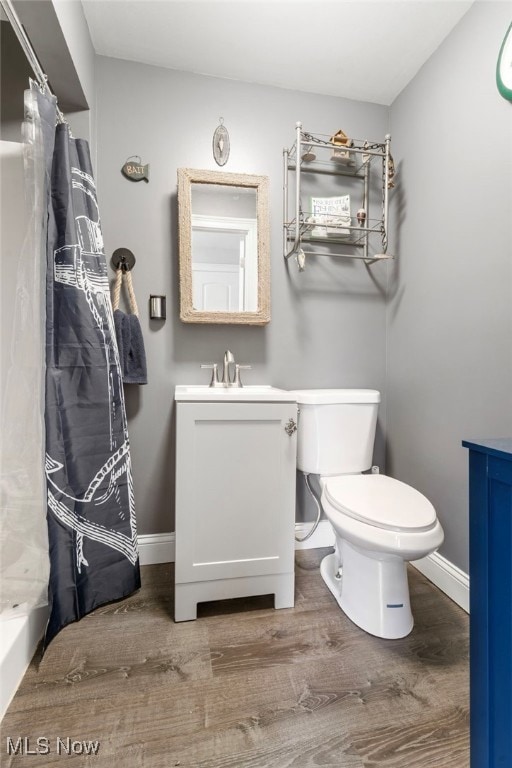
x,y
228,380
229,359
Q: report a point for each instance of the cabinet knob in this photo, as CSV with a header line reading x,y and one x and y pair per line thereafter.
x,y
290,427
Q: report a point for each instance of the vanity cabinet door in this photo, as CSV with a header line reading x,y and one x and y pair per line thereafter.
x,y
235,490
490,572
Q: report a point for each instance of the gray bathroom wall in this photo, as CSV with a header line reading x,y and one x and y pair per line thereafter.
x,y
449,320
328,323
71,19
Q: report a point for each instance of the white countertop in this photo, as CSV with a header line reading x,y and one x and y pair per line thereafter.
x,y
252,394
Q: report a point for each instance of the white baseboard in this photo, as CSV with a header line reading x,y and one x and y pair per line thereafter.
x,y
447,577
156,548
160,548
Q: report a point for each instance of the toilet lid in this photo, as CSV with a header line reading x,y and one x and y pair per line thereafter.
x,y
381,501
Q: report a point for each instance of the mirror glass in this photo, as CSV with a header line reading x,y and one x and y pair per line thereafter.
x,y
223,247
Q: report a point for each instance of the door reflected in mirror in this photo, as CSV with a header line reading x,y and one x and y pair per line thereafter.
x,y
223,247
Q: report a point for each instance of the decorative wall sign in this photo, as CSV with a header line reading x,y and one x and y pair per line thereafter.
x,y
135,171
330,216
221,143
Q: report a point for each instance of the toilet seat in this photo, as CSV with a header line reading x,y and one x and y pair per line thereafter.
x,y
380,501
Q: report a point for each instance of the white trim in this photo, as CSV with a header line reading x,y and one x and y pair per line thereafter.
x,y
19,640
160,548
156,548
448,577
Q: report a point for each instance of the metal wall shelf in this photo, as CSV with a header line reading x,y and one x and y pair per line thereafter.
x,y
355,172
360,161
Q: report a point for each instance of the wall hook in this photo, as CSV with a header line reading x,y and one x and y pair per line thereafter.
x,y
123,258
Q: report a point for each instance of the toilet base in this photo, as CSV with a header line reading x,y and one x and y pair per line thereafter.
x,y
373,590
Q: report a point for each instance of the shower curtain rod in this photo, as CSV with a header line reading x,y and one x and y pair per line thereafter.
x,y
29,52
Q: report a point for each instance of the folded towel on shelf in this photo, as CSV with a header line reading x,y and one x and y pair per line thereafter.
x,y
131,348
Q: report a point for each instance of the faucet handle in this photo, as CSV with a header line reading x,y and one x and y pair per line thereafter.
x,y
215,373
238,382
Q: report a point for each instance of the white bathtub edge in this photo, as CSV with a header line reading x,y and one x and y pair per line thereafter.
x,y
20,638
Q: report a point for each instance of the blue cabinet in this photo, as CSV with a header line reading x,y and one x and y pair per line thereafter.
x,y
490,525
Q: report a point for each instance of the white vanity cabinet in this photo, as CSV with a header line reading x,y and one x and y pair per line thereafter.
x,y
235,499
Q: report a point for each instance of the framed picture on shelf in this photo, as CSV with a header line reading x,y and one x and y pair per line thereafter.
x,y
331,216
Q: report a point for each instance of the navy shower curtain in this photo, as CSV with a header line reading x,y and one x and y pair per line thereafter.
x,y
91,513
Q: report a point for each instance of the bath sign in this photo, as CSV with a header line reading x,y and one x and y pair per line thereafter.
x,y
134,170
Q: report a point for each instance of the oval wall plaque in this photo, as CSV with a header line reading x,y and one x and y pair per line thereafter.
x,y
221,144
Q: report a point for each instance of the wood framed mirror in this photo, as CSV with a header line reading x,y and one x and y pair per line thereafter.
x,y
223,247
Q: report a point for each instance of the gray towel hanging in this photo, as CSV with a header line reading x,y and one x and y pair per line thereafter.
x,y
130,342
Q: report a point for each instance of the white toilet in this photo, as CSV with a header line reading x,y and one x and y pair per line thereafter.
x,y
379,523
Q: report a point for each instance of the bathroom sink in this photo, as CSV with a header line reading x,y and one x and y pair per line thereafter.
x,y
255,393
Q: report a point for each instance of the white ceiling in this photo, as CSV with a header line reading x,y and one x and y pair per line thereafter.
x,y
360,49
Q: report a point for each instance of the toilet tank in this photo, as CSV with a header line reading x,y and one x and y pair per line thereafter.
x,y
336,430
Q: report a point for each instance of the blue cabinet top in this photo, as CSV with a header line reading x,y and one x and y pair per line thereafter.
x,y
497,446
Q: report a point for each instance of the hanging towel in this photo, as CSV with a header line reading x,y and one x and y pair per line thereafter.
x,y
130,342
131,348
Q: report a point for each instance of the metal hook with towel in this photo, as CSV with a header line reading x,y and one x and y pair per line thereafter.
x,y
130,343
123,269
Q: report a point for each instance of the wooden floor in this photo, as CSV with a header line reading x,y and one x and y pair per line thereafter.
x,y
246,686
